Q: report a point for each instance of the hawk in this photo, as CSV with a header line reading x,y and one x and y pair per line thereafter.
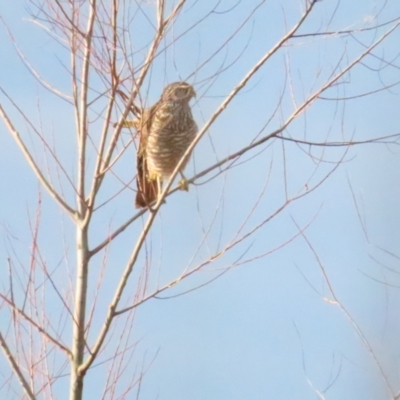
x,y
166,130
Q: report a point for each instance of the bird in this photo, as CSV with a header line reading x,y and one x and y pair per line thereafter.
x,y
165,130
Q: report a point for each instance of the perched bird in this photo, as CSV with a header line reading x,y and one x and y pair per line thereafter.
x,y
166,130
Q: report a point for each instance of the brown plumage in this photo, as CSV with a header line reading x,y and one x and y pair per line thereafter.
x,y
147,190
166,130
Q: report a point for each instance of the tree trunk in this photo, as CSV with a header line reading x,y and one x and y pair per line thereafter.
x,y
78,343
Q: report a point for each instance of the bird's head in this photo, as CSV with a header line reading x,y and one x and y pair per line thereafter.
x,y
179,91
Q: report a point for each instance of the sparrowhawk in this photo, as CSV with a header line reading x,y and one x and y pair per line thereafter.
x,y
166,130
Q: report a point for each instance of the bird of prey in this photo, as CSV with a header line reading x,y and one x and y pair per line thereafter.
x,y
165,130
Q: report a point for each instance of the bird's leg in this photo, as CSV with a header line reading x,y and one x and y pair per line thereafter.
x,y
183,183
132,123
159,189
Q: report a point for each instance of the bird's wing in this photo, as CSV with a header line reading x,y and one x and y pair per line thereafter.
x,y
147,189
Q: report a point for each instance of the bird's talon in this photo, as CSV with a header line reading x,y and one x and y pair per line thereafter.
x,y
183,184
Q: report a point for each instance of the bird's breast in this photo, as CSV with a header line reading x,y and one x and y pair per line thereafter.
x,y
172,131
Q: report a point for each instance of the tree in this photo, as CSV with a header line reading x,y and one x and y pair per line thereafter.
x,y
286,96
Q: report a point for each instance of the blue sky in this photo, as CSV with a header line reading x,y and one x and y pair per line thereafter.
x,y
267,329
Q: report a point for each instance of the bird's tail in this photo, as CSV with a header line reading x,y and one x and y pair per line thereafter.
x,y
147,190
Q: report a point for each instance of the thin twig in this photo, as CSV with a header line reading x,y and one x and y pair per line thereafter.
x,y
16,368
34,166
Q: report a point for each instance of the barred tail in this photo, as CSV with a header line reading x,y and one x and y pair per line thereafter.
x,y
147,191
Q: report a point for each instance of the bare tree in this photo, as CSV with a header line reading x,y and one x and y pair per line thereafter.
x,y
273,94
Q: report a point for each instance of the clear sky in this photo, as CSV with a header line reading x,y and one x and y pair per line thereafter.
x,y
269,328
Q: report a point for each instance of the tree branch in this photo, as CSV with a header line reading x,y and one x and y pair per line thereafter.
x,y
15,367
34,166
